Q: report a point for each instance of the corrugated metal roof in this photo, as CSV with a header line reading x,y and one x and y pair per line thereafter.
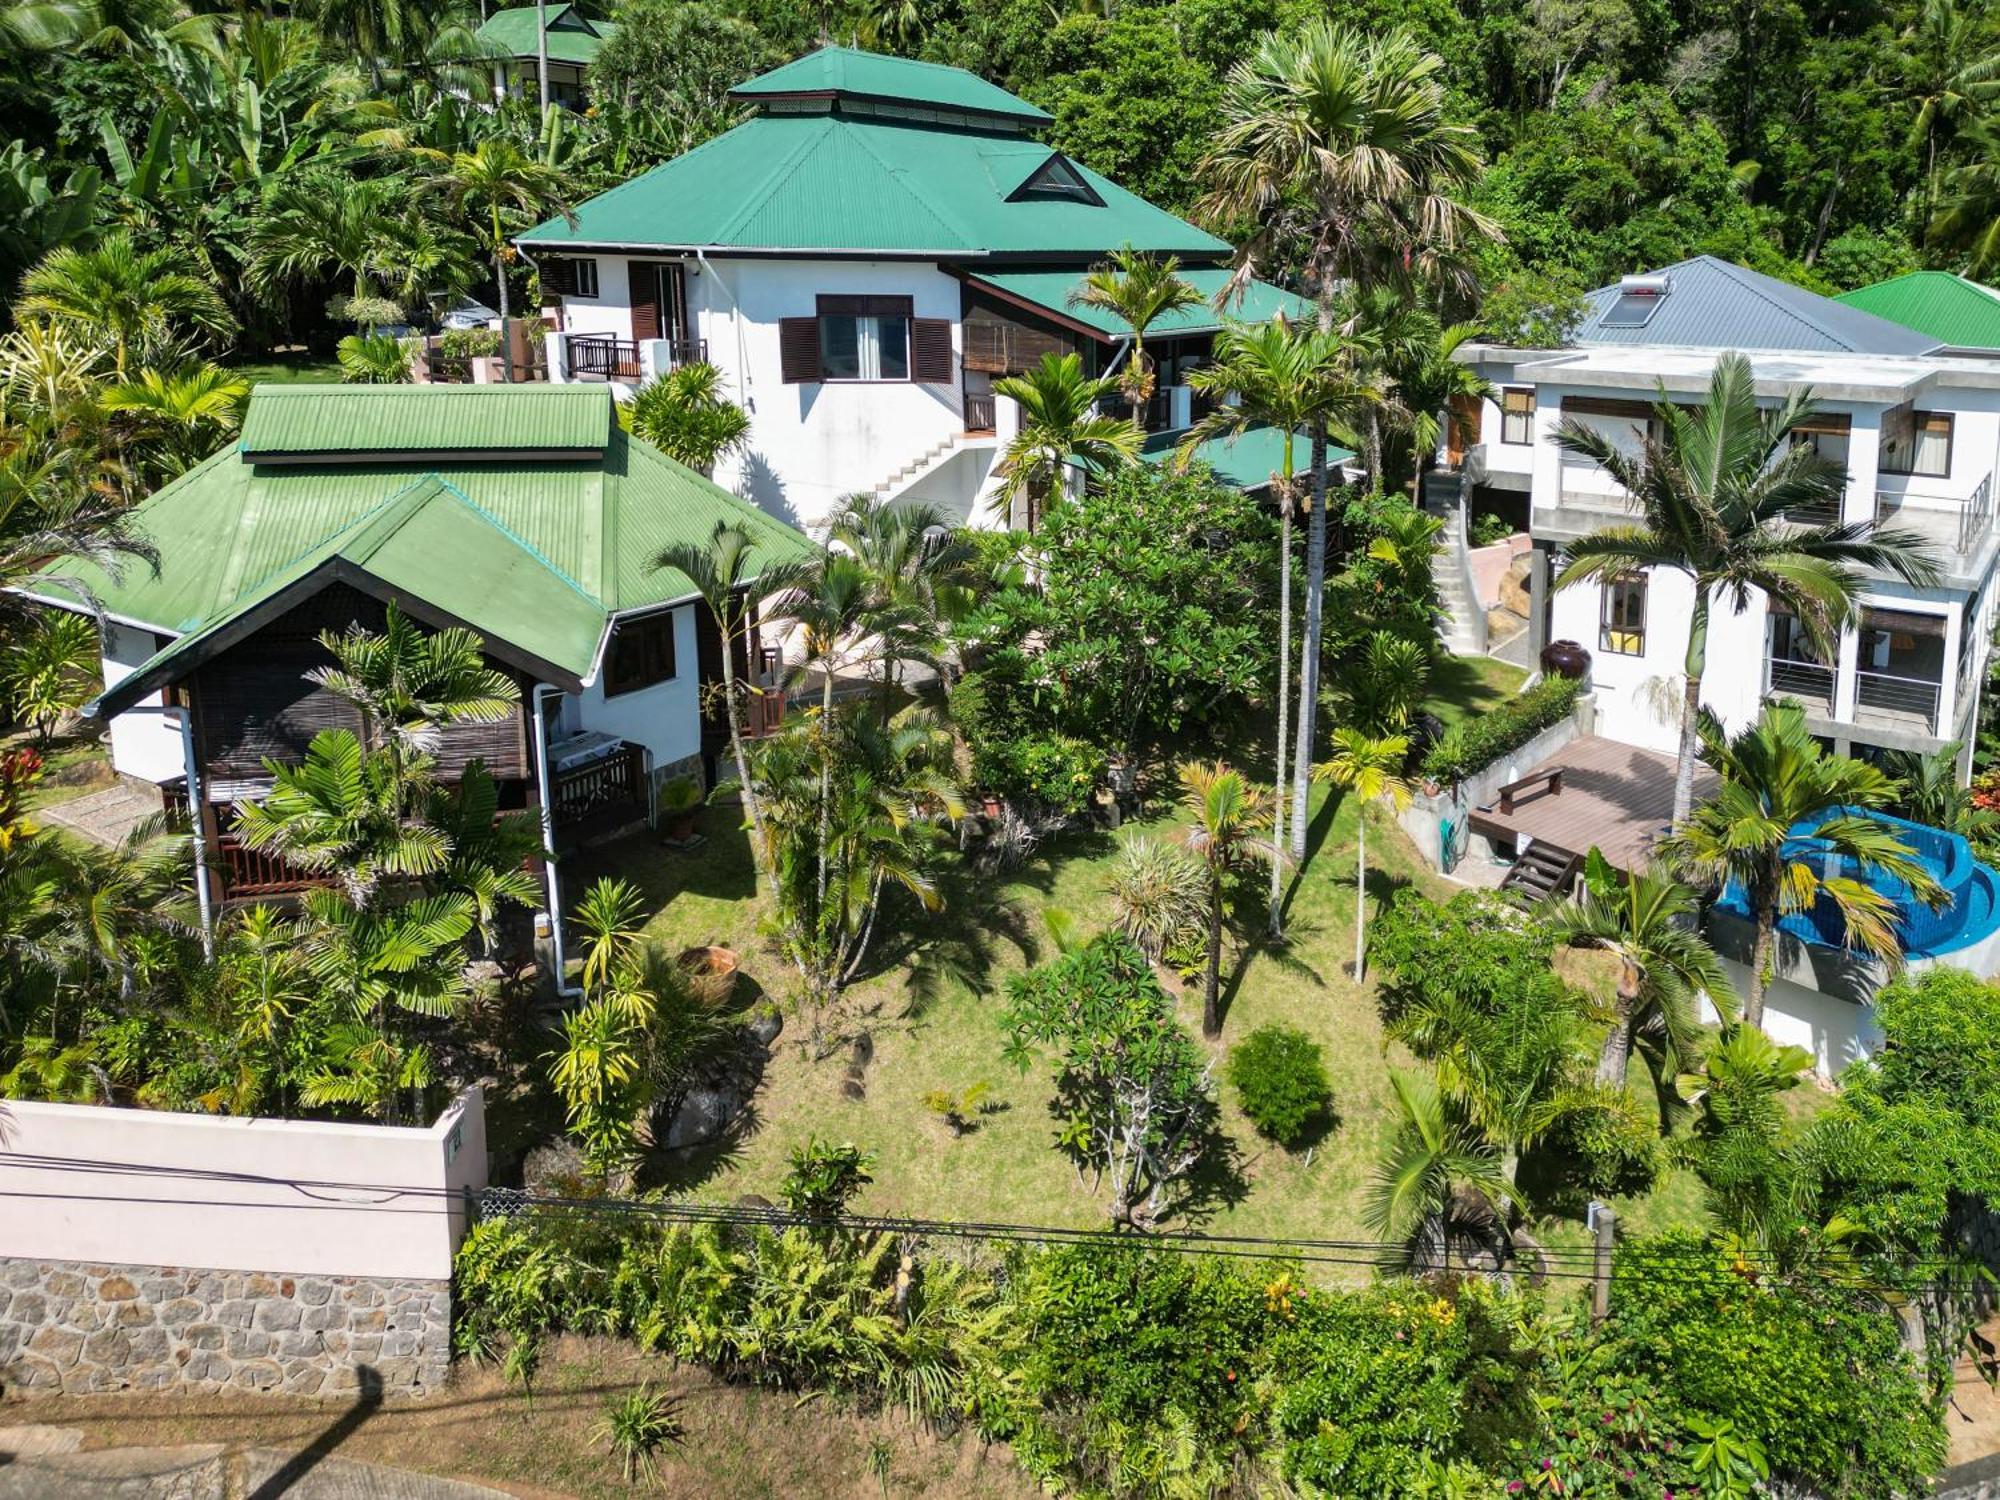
x,y
820,182
536,553
849,72
573,36
1051,290
1716,305
1960,313
309,419
1247,461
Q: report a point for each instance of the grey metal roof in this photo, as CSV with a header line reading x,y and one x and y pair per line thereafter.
x,y
1716,305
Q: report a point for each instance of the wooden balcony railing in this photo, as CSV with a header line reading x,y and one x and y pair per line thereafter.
x,y
979,411
594,356
617,780
248,872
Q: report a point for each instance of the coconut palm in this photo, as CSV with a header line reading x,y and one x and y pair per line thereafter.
x,y
1954,73
1229,818
726,574
182,415
1138,290
1785,816
686,416
136,300
497,188
1439,1187
1649,922
1714,487
59,507
1370,767
1274,375
1061,428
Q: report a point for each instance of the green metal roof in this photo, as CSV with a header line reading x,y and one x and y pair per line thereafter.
x,y
573,36
291,420
535,553
831,182
847,73
1961,313
1050,291
1247,461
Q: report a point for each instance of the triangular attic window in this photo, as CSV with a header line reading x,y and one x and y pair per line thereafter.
x,y
1056,179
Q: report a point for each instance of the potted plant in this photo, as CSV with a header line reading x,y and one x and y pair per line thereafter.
x,y
680,800
711,972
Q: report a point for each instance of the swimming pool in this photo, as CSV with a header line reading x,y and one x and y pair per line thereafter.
x,y
1972,916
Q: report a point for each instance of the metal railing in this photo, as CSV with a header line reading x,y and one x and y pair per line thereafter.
x,y
599,356
1961,522
1811,682
1888,699
979,412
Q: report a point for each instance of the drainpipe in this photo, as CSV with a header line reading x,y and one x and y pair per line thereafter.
x,y
564,990
198,830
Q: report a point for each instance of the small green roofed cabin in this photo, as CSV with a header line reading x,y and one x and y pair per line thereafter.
x,y
574,40
523,513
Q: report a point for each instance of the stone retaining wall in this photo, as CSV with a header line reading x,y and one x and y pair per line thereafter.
x,y
67,1327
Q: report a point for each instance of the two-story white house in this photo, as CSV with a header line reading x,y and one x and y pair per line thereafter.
x,y
861,259
1916,427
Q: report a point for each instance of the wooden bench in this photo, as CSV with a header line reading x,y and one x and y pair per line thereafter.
x,y
1551,775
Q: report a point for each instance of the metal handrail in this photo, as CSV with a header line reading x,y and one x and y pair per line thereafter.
x,y
1887,692
1786,675
1973,513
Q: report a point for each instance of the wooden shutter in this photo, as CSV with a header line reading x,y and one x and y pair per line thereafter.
x,y
798,349
930,351
645,276
559,276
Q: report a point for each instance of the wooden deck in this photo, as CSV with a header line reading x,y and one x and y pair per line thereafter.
x,y
1615,796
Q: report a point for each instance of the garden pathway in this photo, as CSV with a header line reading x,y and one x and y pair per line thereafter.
x,y
104,817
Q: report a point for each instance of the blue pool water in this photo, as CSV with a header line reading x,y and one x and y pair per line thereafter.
x,y
1972,916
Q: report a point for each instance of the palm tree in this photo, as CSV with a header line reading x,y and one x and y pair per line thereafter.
x,y
1228,817
1138,290
1779,790
318,222
373,359
921,563
58,508
496,187
726,575
1715,490
131,298
1380,689
684,414
1431,381
1439,1186
1649,923
183,414
1955,73
1336,148
1290,379
1369,767
1060,428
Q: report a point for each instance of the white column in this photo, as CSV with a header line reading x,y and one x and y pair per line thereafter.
x,y
1180,406
1954,632
1847,663
1864,453
558,357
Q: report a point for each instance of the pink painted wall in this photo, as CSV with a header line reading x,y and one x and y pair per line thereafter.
x,y
1490,564
227,1194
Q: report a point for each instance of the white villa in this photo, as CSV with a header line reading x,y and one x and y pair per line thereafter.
x,y
1915,422
861,259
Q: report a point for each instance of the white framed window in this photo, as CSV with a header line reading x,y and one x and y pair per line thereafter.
x,y
585,278
864,338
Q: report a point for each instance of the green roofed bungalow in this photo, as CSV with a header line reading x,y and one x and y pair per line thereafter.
x,y
574,40
1958,312
862,258
524,513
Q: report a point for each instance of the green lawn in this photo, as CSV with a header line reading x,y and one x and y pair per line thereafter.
x,y
288,369
1463,687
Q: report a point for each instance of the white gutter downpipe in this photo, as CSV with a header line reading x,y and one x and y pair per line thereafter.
x,y
564,990
198,831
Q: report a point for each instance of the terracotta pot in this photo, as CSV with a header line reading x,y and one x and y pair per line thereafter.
x,y
991,807
1566,659
711,972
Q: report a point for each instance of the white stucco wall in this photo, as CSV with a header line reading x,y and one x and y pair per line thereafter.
x,y
239,1195
145,741
1836,1032
666,717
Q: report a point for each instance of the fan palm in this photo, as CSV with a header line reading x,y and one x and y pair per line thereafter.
x,y
497,188
1138,290
135,300
1290,379
1714,490
1649,923
1785,818
726,574
1371,767
1439,1184
1060,428
684,414
1228,818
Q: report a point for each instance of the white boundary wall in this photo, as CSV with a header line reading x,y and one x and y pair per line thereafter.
x,y
293,1196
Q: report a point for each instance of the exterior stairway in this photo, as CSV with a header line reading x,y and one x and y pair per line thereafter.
x,y
1463,628
1542,873
922,464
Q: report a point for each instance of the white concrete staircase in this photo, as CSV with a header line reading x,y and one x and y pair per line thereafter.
x,y
1463,628
919,466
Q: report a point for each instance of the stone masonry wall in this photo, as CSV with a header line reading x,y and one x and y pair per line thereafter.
x,y
68,1328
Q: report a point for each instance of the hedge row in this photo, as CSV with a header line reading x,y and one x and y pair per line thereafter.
x,y
1474,744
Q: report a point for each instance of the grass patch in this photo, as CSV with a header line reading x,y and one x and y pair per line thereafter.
x,y
290,368
73,765
1463,687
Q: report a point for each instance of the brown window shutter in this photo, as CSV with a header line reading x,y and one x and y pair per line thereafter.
x,y
930,351
645,300
798,349
559,275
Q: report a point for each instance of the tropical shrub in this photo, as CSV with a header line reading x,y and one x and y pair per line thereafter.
x,y
1604,1148
1159,895
1471,745
48,669
1488,529
373,359
686,416
468,343
824,1177
1281,1083
1052,774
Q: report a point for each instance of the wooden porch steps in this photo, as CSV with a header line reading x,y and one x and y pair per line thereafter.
x,y
1542,873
